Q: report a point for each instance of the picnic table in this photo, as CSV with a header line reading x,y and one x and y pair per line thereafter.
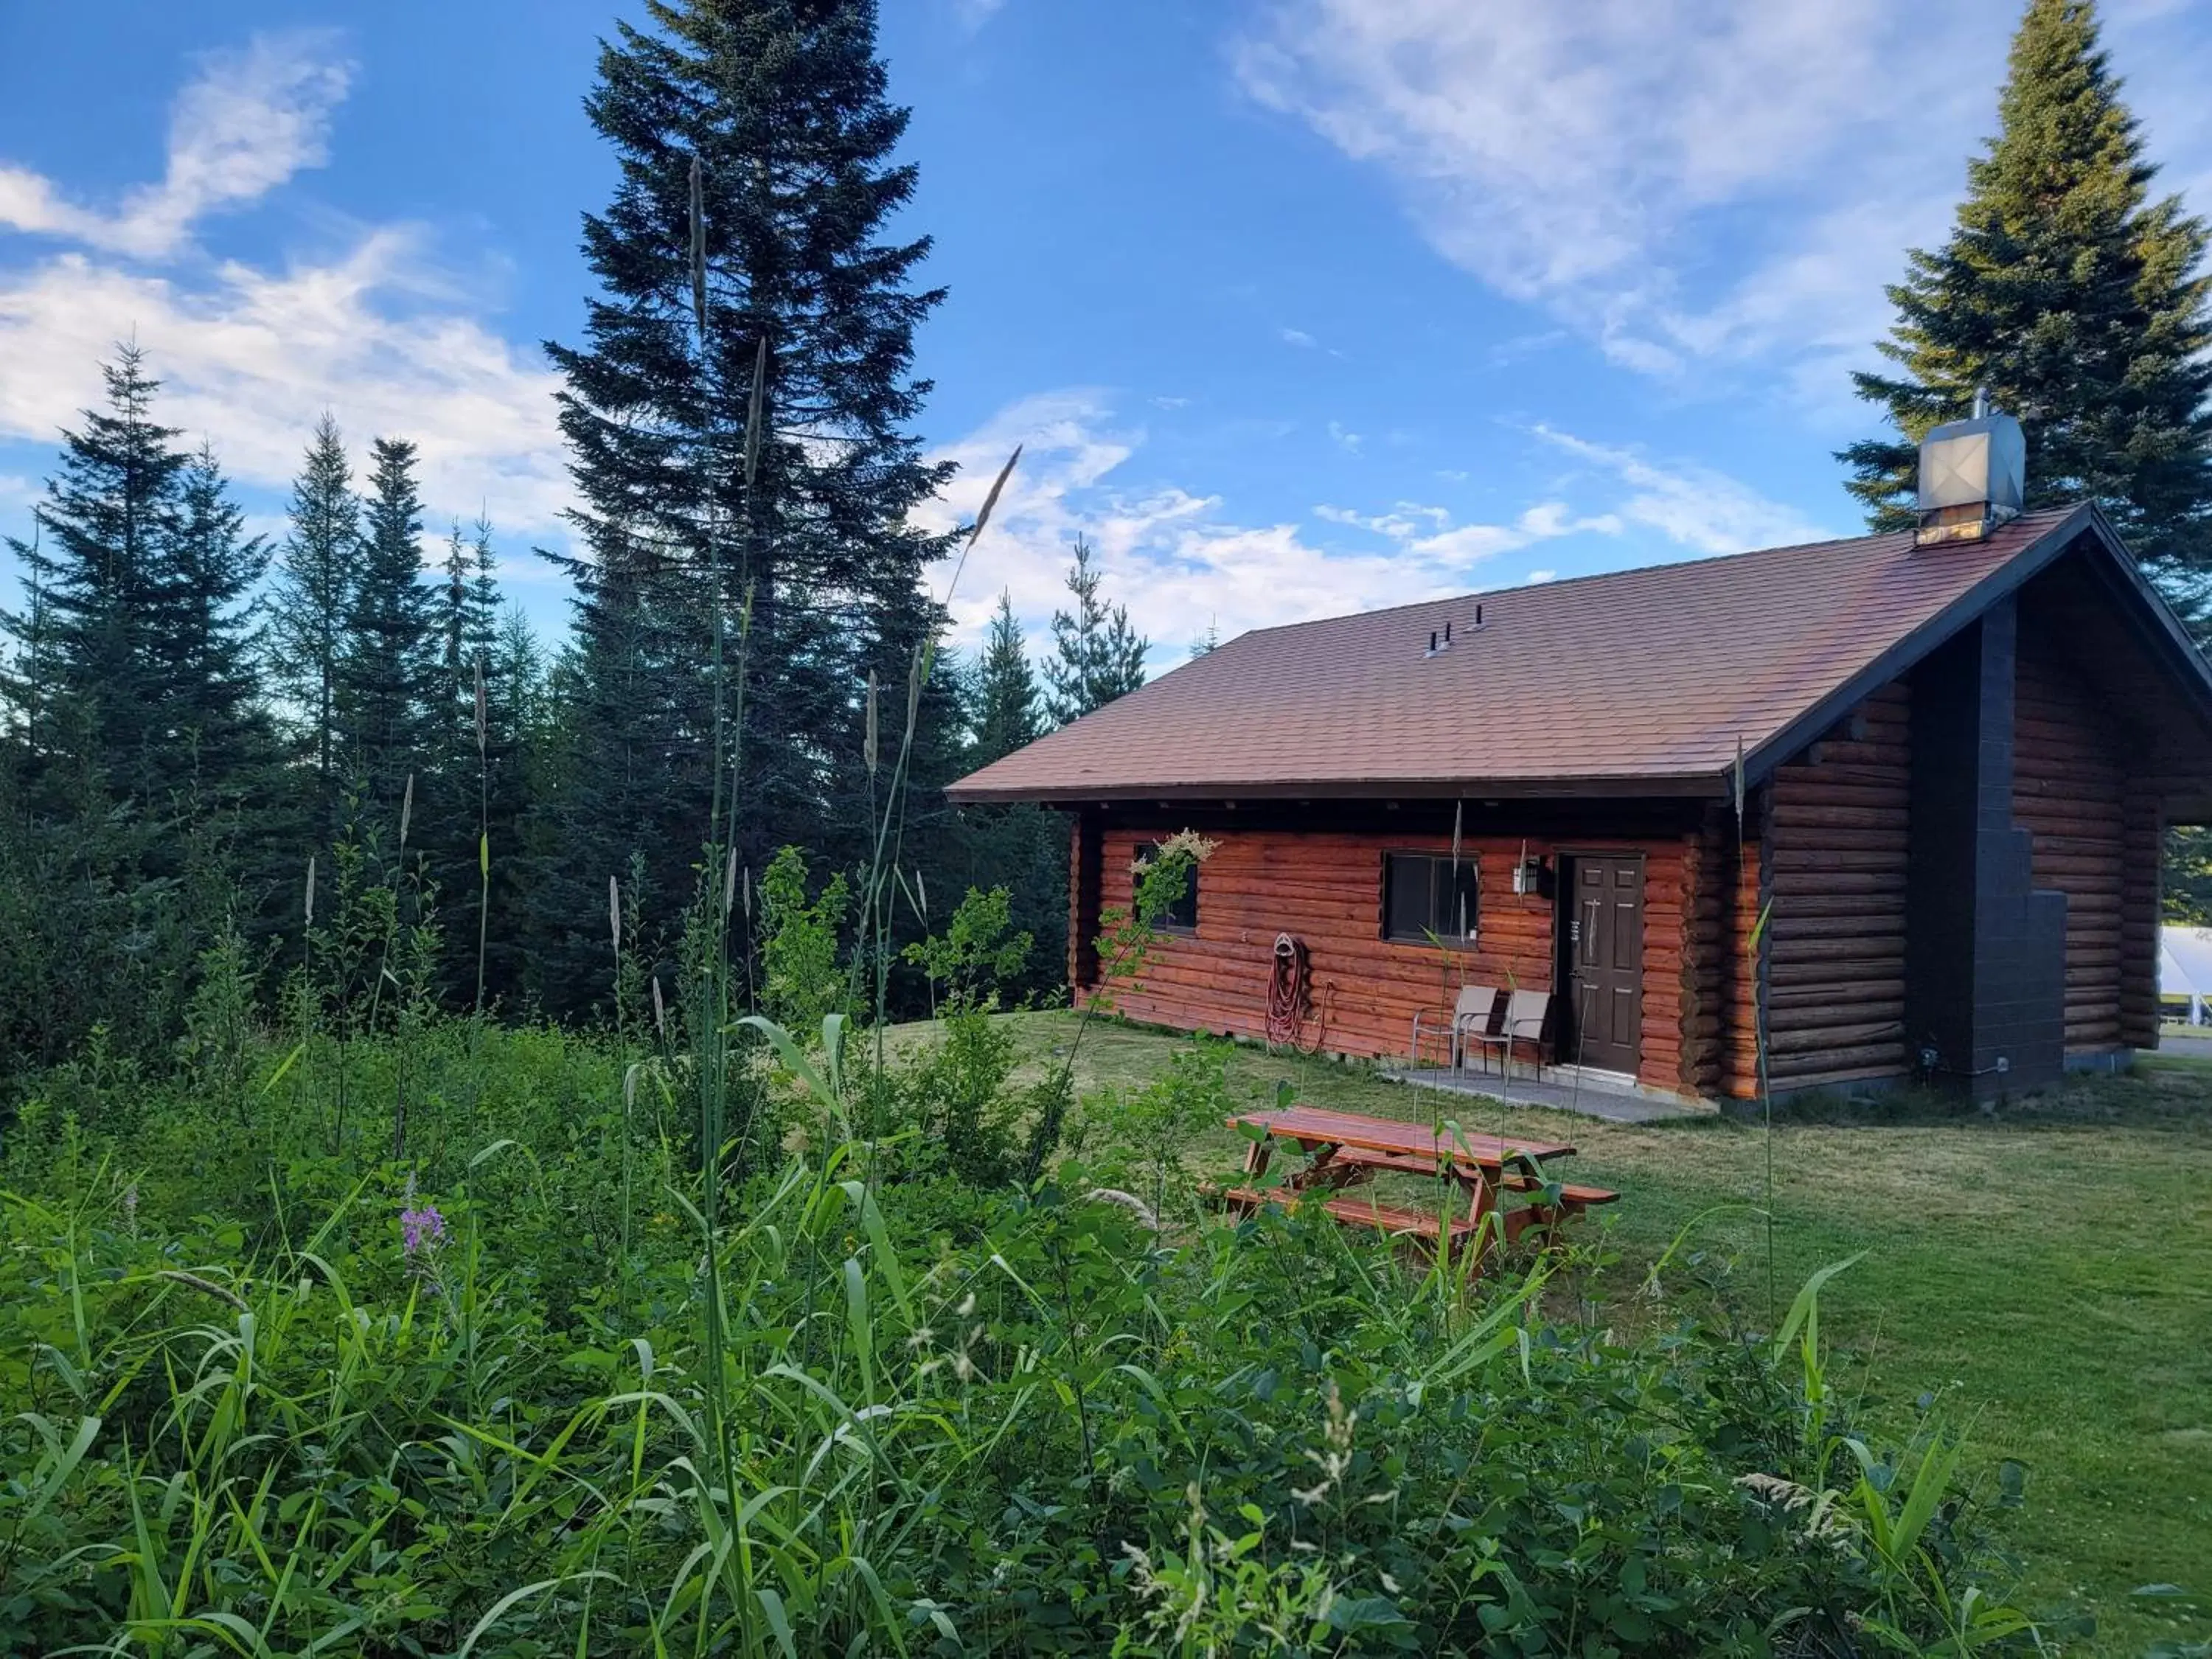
x,y
1345,1149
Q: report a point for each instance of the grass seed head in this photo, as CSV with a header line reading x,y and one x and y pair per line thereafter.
x,y
868,753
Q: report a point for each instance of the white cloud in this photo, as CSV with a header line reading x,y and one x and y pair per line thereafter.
x,y
1298,337
1467,544
1691,506
1173,555
1537,578
1345,438
1400,523
251,356
1687,180
250,121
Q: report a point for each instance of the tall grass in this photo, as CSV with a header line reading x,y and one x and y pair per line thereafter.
x,y
357,1437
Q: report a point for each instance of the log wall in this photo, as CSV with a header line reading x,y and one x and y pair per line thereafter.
x,y
1838,831
2142,909
1325,887
2070,792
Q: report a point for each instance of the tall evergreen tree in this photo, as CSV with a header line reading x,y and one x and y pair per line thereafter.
x,y
480,793
312,601
1097,655
96,788
25,675
392,702
2076,299
620,774
1021,847
99,573
783,104
468,611
207,639
1007,711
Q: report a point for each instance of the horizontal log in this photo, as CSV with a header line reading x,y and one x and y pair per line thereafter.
x,y
1822,814
1850,1006
1860,862
1834,1040
1800,1068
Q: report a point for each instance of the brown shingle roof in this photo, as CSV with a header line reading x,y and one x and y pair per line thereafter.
x,y
1608,683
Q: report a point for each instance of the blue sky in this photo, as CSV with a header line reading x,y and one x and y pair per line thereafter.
x,y
1301,306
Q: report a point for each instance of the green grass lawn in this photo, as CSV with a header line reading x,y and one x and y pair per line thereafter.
x,y
2044,1273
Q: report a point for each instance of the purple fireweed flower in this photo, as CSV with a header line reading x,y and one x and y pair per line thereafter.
x,y
421,1229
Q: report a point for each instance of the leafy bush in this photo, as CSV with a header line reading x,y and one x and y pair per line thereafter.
x,y
460,1407
1143,1134
801,981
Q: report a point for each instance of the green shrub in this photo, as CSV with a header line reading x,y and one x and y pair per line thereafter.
x,y
801,980
438,1408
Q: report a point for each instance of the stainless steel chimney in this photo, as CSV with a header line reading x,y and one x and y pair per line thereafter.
x,y
1973,476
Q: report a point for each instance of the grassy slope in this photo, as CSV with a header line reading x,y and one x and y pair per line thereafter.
x,y
2046,1274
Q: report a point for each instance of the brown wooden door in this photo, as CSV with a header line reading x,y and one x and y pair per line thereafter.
x,y
1604,926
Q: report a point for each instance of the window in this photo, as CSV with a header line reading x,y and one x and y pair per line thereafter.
x,y
1427,897
1182,916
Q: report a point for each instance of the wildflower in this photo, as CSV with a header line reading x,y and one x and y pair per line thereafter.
x,y
421,1229
130,1209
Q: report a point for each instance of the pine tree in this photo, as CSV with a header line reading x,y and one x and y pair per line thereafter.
x,y
98,572
207,641
96,797
480,793
390,699
2079,302
1007,713
783,104
468,612
1097,656
1021,847
313,599
609,762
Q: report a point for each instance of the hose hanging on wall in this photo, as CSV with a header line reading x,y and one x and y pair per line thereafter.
x,y
1290,991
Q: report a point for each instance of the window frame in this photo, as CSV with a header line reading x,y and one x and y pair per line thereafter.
x,y
1146,851
1468,869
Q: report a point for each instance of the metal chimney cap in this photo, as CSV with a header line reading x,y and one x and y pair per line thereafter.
x,y
1982,459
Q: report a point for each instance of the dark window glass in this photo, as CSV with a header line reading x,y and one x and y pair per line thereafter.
x,y
1182,916
1425,896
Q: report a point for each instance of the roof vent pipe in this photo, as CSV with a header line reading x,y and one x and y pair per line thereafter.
x,y
1973,476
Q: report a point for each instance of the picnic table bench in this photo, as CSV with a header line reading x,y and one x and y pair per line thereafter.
x,y
1347,1150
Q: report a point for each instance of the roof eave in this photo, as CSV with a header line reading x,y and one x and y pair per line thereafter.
x,y
1667,786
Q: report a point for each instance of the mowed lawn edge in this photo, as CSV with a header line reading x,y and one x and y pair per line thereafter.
x,y
2041,1277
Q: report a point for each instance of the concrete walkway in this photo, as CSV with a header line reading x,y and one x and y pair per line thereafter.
x,y
1613,1101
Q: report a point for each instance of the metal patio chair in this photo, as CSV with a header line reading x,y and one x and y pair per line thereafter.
x,y
1472,1016
1524,1021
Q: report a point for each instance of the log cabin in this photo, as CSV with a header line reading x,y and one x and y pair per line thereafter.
x,y
1863,811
